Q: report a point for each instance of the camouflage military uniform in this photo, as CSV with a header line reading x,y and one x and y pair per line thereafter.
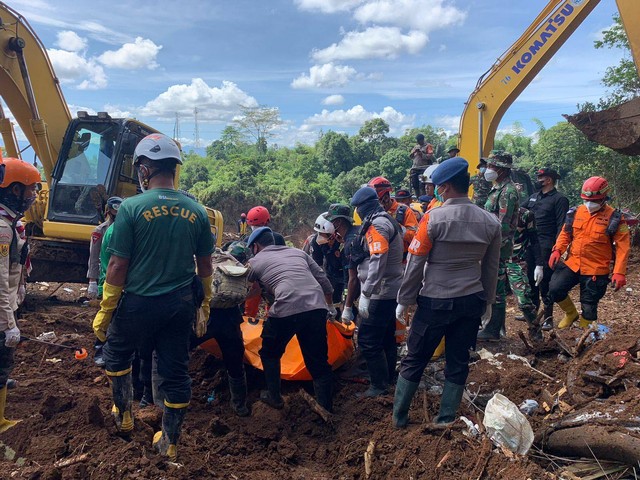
x,y
525,237
481,189
504,202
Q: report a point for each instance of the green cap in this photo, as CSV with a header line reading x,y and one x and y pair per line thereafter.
x,y
339,210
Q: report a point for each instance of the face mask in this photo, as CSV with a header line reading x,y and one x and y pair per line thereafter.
x,y
592,206
439,195
482,170
321,239
539,184
253,227
490,175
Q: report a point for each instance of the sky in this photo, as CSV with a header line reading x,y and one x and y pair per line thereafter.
x,y
325,64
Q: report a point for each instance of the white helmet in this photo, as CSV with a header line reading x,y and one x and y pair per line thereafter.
x,y
323,225
426,176
158,147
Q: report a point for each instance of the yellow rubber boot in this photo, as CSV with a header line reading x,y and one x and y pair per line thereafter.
x,y
439,350
4,423
570,311
584,323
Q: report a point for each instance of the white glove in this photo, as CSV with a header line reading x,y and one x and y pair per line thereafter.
x,y
331,312
363,306
347,315
400,309
22,293
537,275
12,337
92,289
486,316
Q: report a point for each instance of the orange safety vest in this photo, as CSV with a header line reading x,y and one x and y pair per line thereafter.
x,y
590,242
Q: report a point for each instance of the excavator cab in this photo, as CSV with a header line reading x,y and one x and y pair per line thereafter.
x,y
95,163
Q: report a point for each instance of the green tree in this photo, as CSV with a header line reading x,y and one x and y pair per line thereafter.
x,y
374,132
334,152
394,165
259,123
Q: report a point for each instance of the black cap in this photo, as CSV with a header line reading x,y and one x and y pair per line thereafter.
x,y
548,172
482,162
403,193
453,149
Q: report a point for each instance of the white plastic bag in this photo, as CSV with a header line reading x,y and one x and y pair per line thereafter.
x,y
507,426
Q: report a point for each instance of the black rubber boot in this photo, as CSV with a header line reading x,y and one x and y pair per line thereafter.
x,y
405,390
147,397
491,331
271,396
122,388
11,383
166,440
323,388
238,391
449,403
379,376
548,317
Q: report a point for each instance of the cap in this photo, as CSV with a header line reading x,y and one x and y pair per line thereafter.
x,y
339,210
500,159
453,149
481,162
363,195
449,169
425,198
114,202
256,234
403,193
548,172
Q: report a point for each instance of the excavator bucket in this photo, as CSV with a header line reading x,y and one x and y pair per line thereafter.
x,y
617,128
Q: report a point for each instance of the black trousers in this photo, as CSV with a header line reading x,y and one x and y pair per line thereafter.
x,y
417,186
592,289
310,328
377,333
224,326
6,361
162,324
455,319
541,290
338,290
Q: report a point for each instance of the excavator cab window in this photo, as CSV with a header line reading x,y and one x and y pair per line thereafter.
x,y
82,177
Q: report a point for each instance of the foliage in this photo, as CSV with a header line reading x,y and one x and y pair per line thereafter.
x,y
258,123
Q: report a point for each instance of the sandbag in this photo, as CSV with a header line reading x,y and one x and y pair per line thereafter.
x,y
339,339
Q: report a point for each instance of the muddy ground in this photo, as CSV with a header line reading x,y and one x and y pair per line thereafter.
x,y
65,403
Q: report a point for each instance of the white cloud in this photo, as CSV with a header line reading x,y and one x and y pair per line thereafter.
x,y
333,100
327,6
374,42
213,103
75,69
423,15
117,112
355,117
141,53
450,123
71,41
327,75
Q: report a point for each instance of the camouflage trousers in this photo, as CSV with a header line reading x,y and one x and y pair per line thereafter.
x,y
502,288
516,273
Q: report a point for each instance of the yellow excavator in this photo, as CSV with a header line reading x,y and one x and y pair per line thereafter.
x,y
499,87
84,160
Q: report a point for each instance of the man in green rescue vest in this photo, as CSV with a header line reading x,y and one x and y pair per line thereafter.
x,y
151,279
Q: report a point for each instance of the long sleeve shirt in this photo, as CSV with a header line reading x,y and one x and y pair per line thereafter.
x,y
10,269
550,210
455,253
95,247
380,274
291,276
504,203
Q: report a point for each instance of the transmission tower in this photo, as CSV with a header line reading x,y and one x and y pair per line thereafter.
x,y
176,128
196,133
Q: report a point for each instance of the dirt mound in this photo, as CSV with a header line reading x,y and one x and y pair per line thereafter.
x,y
617,128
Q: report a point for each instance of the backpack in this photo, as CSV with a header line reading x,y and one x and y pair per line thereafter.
x,y
230,283
358,251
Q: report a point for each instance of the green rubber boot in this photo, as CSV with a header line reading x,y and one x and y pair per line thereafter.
x,y
405,390
449,403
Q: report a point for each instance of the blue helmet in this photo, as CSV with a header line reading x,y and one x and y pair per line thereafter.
x,y
257,233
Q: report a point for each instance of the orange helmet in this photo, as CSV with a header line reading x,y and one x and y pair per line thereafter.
x,y
595,188
17,170
258,216
381,184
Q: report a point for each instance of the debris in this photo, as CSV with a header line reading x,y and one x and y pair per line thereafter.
x,y
47,337
71,461
507,426
68,290
53,360
368,458
316,407
529,406
472,429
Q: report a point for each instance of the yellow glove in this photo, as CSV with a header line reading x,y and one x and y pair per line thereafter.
x,y
203,312
110,297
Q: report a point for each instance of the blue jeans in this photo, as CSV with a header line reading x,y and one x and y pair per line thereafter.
x,y
162,324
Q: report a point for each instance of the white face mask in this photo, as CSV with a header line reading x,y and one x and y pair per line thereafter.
x,y
321,239
490,175
593,206
253,227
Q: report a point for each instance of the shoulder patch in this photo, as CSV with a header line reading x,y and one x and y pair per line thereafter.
x,y
4,250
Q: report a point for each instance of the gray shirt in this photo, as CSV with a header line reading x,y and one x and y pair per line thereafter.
x,y
381,273
296,282
455,253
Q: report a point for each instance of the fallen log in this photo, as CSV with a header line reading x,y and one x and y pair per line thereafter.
x,y
316,407
603,443
71,460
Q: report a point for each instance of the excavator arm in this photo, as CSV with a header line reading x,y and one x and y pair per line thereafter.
x,y
30,88
516,68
